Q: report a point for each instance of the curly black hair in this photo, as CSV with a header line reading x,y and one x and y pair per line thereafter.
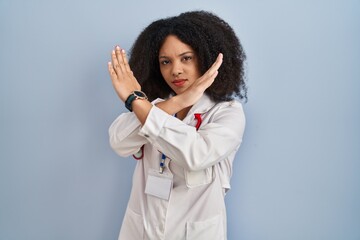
x,y
208,35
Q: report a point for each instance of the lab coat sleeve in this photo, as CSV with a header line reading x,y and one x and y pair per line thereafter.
x,y
123,134
196,150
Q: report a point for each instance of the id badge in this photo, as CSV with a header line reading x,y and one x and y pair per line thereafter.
x,y
159,184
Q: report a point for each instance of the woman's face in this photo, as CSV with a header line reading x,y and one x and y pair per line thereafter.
x,y
178,64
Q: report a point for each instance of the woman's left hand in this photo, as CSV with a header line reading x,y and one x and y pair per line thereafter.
x,y
122,77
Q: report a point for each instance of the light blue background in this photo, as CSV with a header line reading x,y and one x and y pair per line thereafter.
x,y
296,175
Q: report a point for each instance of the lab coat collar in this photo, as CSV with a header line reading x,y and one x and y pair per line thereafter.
x,y
202,106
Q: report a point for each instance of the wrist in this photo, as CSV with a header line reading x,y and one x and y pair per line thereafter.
x,y
133,96
179,102
173,105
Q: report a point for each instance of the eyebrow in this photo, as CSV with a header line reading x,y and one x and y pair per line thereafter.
x,y
180,55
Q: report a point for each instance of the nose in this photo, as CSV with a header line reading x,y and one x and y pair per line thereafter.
x,y
177,69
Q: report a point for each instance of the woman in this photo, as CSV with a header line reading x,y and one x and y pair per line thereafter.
x,y
184,125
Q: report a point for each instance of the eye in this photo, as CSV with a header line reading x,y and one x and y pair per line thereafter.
x,y
164,62
187,58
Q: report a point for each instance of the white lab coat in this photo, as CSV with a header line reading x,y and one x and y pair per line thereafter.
x,y
201,166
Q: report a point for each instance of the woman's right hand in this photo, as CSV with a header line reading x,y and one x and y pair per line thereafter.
x,y
122,77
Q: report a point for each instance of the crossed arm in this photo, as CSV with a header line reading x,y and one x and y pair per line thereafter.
x,y
124,83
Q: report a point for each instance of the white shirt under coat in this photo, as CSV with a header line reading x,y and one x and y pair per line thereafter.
x,y
201,165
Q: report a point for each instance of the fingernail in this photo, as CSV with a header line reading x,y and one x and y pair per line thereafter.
x,y
117,47
123,50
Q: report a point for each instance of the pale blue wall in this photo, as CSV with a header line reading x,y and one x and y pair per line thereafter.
x,y
296,176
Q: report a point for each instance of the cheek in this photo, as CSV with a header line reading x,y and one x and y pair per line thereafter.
x,y
164,73
196,69
196,72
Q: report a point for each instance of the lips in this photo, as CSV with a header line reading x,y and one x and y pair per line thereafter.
x,y
179,82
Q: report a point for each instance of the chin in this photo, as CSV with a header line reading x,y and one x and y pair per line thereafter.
x,y
177,92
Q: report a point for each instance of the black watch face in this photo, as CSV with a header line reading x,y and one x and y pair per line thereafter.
x,y
140,94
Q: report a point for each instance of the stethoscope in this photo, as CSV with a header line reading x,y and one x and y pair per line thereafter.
x,y
140,154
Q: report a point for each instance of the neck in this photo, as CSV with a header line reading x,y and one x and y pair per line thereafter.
x,y
182,113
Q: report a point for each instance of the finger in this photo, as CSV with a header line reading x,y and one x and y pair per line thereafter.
x,y
115,63
215,66
125,60
111,69
210,79
213,77
120,58
113,75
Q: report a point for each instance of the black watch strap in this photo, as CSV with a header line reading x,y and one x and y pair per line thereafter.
x,y
133,96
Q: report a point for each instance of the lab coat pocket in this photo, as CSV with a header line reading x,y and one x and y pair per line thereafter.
x,y
132,227
199,178
212,228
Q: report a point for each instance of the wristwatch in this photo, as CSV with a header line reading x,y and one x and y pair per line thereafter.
x,y
134,96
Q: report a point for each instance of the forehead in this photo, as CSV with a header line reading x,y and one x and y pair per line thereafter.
x,y
174,46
